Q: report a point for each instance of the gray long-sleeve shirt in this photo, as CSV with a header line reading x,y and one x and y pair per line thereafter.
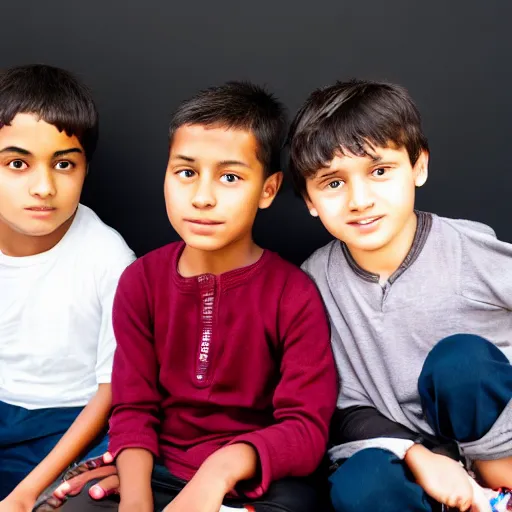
x,y
457,278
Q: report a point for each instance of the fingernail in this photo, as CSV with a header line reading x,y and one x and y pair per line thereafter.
x,y
97,492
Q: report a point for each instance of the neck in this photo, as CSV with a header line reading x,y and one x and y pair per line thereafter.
x,y
15,244
238,254
386,260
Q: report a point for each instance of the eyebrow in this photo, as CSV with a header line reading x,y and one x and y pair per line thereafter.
x,y
24,152
14,149
223,163
67,151
183,157
327,175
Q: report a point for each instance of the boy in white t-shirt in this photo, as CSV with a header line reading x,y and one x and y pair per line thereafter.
x,y
59,268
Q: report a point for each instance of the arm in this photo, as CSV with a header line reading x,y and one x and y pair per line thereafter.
x,y
135,466
486,269
93,419
304,398
360,423
135,396
82,432
217,476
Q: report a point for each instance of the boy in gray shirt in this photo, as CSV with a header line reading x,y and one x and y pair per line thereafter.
x,y
420,309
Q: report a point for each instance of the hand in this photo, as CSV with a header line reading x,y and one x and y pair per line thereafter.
x,y
202,494
77,477
442,478
481,501
16,504
135,507
217,476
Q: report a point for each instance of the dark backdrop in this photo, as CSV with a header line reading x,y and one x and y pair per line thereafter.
x,y
142,57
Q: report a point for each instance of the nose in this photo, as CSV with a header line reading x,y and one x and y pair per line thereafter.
x,y
42,183
204,196
360,196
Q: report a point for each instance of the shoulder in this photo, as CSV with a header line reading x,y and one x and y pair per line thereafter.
x,y
296,288
469,238
316,265
100,242
465,228
155,264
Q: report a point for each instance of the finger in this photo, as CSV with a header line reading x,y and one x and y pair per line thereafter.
x,y
108,458
75,485
86,465
49,505
464,504
106,487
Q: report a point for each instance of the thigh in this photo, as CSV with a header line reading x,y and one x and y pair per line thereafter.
x,y
82,502
465,384
165,488
26,438
375,479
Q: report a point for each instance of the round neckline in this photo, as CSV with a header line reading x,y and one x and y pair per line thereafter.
x,y
230,277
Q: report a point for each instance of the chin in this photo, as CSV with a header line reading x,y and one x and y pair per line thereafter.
x,y
37,232
368,245
204,243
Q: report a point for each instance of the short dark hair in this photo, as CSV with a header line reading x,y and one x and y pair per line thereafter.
x,y
239,106
55,96
352,117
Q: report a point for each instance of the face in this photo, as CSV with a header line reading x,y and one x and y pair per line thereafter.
x,y
42,172
367,201
214,186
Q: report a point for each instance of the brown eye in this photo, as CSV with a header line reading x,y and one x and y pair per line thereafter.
x,y
379,172
230,178
64,165
18,165
186,173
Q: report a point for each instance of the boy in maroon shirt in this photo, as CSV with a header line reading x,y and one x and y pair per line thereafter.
x,y
224,381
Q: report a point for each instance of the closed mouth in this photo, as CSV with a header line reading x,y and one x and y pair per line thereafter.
x,y
40,208
204,222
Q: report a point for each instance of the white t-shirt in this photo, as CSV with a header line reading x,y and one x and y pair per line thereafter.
x,y
56,336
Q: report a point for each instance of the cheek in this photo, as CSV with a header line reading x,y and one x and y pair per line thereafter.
x,y
239,203
400,193
330,208
69,184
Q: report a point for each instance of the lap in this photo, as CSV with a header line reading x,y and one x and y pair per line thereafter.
x,y
286,495
376,477
26,437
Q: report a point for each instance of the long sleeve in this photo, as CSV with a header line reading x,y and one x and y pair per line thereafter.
x,y
486,271
362,423
305,396
135,396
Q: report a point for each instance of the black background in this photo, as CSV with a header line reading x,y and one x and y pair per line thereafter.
x,y
142,58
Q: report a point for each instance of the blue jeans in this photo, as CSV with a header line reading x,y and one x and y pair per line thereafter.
x,y
27,436
465,384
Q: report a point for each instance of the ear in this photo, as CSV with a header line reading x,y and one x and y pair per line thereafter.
x,y
311,208
421,169
270,189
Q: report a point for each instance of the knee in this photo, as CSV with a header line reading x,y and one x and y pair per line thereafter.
x,y
458,362
370,477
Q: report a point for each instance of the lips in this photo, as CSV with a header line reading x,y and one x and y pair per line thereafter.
x,y
366,221
204,222
40,208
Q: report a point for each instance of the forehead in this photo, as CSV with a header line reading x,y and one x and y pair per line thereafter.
x,y
214,144
27,131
